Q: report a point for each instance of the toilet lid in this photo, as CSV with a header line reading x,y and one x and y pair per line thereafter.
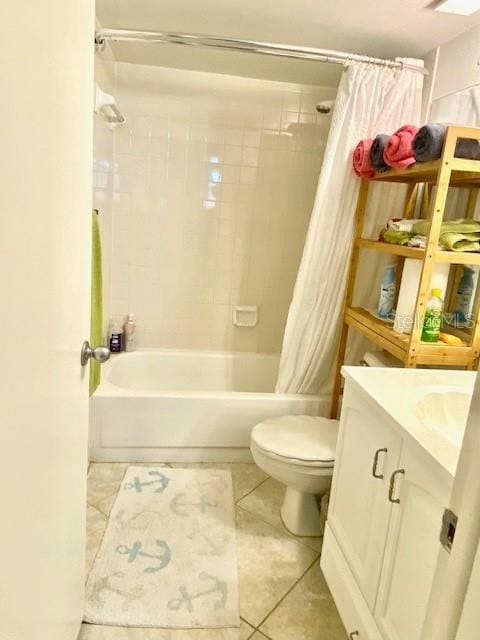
x,y
306,439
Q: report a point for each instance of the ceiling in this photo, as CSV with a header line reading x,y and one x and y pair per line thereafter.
x,y
386,28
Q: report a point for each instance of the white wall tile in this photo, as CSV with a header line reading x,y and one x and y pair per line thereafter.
x,y
208,195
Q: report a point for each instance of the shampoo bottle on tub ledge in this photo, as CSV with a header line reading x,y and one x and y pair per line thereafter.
x,y
129,333
115,337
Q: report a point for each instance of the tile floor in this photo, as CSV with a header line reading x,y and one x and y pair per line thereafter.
x,y
283,595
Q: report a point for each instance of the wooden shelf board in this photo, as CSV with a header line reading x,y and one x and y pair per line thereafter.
x,y
396,249
457,257
382,334
379,332
464,173
451,257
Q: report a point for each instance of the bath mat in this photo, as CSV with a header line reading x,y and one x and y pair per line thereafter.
x,y
169,554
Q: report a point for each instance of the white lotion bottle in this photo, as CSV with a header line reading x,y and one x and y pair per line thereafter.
x,y
129,333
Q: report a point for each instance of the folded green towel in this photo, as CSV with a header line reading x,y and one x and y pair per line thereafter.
x,y
455,235
396,237
463,225
460,241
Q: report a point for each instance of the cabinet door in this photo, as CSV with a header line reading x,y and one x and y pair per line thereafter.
x,y
412,545
359,510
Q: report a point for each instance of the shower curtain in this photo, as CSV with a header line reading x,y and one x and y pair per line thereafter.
x,y
371,99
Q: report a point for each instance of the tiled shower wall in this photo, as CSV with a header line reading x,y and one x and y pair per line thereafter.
x,y
212,187
102,170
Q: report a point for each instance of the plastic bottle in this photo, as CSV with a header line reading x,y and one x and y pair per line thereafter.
x,y
129,333
115,337
387,292
432,322
464,297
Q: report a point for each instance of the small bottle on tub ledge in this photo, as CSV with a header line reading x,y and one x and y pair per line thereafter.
x,y
129,333
115,332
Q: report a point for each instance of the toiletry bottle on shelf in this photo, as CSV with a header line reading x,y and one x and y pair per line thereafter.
x,y
464,297
432,322
129,333
115,337
387,292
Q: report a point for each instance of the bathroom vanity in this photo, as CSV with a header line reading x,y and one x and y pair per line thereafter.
x,y
399,442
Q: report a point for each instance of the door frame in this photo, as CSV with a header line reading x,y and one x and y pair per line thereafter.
x,y
454,568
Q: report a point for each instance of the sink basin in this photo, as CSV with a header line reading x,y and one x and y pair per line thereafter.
x,y
444,410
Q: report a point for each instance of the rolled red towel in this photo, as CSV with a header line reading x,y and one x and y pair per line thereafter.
x,y
398,152
361,159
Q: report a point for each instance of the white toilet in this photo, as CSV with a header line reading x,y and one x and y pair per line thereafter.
x,y
300,452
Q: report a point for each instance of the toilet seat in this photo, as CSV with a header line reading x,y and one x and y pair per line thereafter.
x,y
308,441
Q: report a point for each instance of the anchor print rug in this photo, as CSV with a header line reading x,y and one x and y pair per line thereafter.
x,y
169,554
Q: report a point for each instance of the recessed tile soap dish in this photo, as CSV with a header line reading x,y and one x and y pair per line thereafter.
x,y
245,316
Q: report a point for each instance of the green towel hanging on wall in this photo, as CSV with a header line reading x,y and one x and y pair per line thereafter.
x,y
96,319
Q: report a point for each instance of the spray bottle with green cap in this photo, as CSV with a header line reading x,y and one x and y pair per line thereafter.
x,y
432,322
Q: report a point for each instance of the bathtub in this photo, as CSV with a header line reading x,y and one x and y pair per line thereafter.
x,y
186,406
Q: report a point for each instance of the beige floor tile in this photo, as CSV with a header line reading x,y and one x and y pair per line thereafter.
x,y
96,524
308,612
259,636
94,632
105,505
104,480
246,476
265,502
270,562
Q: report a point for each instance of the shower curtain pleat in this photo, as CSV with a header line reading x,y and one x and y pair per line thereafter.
x,y
370,100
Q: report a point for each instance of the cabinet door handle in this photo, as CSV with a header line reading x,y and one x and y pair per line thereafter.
x,y
354,634
379,476
392,486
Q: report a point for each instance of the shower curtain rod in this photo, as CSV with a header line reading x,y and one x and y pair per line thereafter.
x,y
249,46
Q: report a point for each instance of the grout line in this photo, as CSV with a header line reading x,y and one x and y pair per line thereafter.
x,y
286,532
92,506
254,489
262,634
114,493
288,592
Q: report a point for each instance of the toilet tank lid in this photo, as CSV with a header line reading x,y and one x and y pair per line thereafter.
x,y
307,438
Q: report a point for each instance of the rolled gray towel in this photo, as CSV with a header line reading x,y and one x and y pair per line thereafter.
x,y
428,144
376,152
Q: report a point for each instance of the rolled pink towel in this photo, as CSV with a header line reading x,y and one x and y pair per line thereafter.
x,y
398,152
361,159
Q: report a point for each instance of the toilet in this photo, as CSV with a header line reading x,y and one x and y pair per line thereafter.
x,y
299,451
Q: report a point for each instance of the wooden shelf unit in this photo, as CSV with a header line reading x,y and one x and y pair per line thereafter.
x,y
452,257
438,176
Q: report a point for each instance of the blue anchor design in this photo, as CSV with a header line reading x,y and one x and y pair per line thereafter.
x,y
103,584
135,552
179,506
138,485
187,600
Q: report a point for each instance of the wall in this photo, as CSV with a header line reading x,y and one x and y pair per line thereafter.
x,y
214,179
103,169
457,66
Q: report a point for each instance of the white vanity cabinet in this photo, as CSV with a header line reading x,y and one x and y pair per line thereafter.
x,y
359,513
382,533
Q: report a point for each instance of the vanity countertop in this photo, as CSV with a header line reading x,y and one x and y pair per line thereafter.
x,y
430,405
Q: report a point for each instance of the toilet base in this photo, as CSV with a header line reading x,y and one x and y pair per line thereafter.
x,y
300,513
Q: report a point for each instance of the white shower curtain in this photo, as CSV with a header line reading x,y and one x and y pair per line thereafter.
x,y
371,99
